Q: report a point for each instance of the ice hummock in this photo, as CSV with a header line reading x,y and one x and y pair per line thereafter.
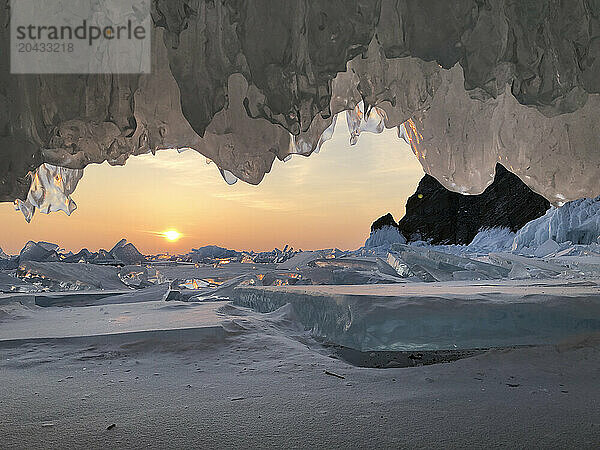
x,y
526,267
126,253
9,283
576,222
8,262
59,276
301,260
430,265
385,259
384,237
214,254
39,251
492,240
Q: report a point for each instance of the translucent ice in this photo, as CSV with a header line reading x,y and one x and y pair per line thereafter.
x,y
229,178
481,82
577,222
427,316
384,236
59,276
431,265
302,145
547,248
372,120
39,251
492,240
518,264
50,191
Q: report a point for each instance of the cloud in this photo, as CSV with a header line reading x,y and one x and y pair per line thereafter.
x,y
250,200
187,169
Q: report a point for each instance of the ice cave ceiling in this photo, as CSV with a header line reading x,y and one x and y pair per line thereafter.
x,y
468,83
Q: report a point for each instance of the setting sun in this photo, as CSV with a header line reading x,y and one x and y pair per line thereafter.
x,y
172,235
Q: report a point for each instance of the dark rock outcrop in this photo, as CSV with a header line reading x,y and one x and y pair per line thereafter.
x,y
435,214
384,221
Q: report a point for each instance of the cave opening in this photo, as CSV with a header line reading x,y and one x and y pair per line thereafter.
x,y
326,200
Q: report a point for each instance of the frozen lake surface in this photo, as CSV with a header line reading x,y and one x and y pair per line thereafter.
x,y
216,374
437,316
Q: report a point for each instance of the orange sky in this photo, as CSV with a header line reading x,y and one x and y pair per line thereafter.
x,y
327,200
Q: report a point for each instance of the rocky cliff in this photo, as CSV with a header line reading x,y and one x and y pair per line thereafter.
x,y
433,213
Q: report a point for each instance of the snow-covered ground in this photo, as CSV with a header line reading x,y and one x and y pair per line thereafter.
x,y
213,374
261,381
36,323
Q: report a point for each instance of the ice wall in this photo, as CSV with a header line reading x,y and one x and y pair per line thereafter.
x,y
577,222
461,316
469,83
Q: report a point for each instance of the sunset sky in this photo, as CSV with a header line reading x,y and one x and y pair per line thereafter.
x,y
326,200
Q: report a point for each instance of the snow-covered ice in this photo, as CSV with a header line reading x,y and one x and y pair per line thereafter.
x,y
577,222
107,318
384,236
61,276
431,265
261,382
189,366
492,240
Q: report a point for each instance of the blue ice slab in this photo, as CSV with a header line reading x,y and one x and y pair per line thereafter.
x,y
436,316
